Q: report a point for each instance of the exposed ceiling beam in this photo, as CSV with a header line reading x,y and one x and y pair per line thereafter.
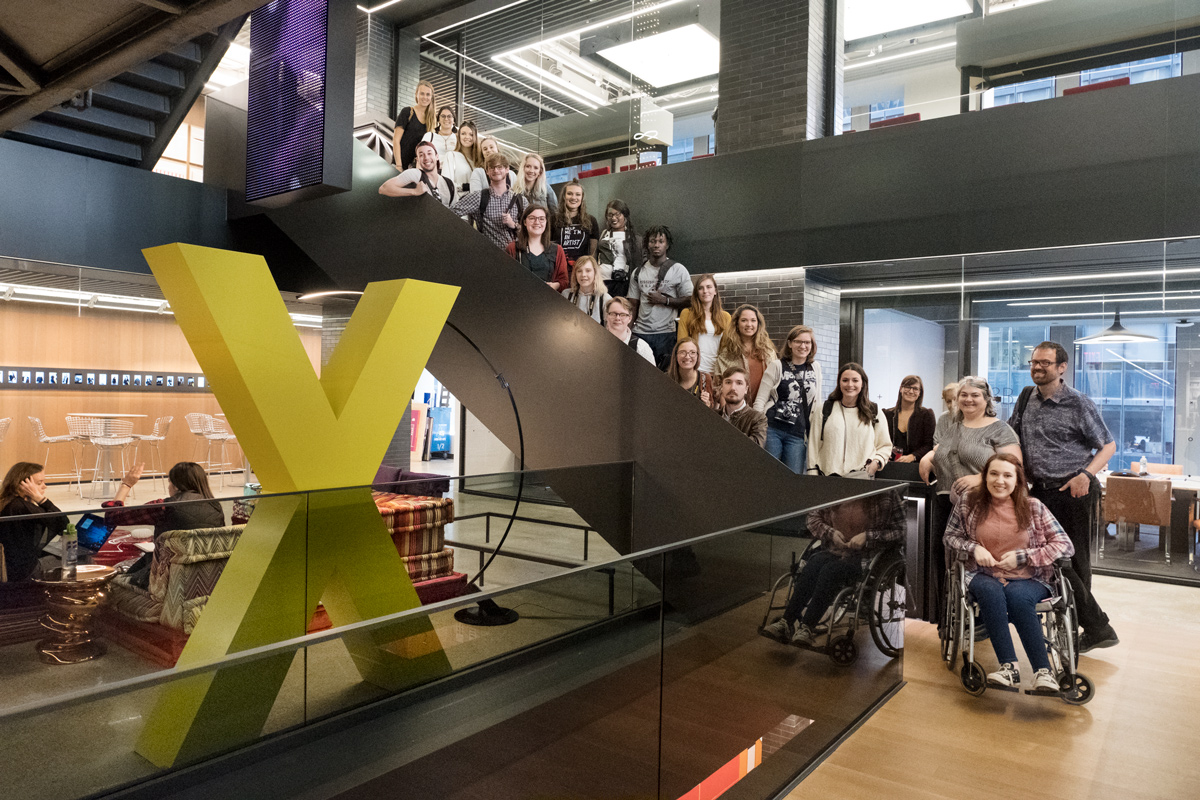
x,y
164,5
161,32
14,60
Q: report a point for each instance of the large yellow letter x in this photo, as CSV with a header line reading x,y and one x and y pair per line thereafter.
x,y
302,435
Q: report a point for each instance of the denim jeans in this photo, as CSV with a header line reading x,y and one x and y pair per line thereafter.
x,y
1001,603
788,448
661,344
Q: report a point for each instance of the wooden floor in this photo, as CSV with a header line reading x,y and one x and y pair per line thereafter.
x,y
1138,738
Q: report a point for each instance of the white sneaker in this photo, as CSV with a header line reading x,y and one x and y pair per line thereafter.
x,y
1007,675
1042,679
780,630
803,635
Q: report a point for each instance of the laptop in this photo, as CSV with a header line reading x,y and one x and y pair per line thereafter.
x,y
92,532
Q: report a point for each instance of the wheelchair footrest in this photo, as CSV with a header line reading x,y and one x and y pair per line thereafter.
x,y
1043,692
1001,687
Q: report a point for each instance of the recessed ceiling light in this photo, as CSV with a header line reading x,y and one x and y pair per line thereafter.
x,y
665,59
872,17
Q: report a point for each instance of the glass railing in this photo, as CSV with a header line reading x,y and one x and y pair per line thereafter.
x,y
651,661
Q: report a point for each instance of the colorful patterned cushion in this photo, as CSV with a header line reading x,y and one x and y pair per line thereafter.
x,y
430,565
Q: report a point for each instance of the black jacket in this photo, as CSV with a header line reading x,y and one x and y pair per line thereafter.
x,y
23,539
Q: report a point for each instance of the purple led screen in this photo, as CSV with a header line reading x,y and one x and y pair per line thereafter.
x,y
285,111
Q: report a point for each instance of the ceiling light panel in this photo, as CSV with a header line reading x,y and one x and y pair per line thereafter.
x,y
665,59
872,17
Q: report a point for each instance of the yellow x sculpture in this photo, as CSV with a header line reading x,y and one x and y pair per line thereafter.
x,y
307,435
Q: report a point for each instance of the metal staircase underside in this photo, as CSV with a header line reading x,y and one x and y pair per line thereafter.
x,y
131,118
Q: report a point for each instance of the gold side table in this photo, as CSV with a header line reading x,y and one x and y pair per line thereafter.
x,y
72,608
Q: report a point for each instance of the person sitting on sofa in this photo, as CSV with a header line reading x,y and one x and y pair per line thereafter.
x,y
22,493
189,505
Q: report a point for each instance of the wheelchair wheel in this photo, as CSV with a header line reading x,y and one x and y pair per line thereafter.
x,y
974,679
1076,689
843,651
952,631
888,611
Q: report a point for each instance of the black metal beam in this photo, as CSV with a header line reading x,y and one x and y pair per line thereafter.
x,y
157,33
17,63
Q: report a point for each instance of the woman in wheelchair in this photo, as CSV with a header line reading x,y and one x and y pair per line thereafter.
x,y
1010,542
850,534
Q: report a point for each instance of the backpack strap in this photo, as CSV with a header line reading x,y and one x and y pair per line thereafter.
x,y
826,410
1019,412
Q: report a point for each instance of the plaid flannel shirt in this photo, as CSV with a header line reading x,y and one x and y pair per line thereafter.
x,y
1048,541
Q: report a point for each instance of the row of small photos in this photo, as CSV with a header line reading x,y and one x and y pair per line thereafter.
x,y
26,378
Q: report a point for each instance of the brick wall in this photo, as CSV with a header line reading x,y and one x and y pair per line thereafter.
x,y
408,70
778,294
787,298
373,75
772,78
822,313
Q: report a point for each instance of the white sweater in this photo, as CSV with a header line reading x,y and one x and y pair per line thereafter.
x,y
845,442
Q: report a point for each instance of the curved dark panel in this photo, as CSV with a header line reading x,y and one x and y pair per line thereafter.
x,y
584,397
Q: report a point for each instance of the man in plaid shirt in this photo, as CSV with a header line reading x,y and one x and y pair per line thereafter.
x,y
494,210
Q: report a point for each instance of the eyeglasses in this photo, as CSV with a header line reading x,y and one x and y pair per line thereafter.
x,y
1041,363
614,215
619,314
910,388
541,220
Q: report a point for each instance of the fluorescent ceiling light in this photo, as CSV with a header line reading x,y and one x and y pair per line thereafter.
x,y
873,17
1160,312
538,74
604,23
330,293
963,285
1035,301
870,62
693,100
665,59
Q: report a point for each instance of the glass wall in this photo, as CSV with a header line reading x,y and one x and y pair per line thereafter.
x,y
616,84
984,314
918,61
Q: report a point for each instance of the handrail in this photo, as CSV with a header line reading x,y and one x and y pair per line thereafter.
x,y
155,679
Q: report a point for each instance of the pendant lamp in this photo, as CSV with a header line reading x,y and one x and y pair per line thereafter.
x,y
1116,334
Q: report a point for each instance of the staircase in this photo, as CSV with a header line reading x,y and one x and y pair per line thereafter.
x,y
130,119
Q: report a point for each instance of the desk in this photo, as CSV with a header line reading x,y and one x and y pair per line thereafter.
x,y
104,427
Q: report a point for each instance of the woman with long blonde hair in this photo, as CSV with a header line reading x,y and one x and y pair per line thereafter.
x,y
412,124
746,344
459,163
705,321
587,291
532,182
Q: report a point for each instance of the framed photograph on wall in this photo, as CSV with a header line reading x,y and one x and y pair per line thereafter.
x,y
39,377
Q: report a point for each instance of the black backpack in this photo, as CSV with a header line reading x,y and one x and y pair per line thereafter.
x,y
432,188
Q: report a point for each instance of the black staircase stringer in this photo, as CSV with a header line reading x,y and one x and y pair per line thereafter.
x,y
584,397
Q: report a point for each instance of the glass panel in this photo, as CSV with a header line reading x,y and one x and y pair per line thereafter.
x,y
743,699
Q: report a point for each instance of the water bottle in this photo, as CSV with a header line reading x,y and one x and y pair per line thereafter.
x,y
1144,467
70,553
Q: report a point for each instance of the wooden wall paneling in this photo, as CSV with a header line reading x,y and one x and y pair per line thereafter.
x,y
114,341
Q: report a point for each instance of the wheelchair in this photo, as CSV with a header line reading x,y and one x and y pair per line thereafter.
x,y
1059,630
878,599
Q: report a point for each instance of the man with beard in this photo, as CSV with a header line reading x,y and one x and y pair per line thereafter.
x,y
1064,443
